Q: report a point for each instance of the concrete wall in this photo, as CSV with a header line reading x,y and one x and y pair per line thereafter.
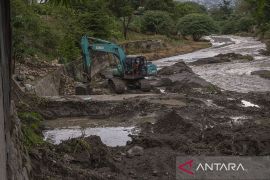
x,y
5,61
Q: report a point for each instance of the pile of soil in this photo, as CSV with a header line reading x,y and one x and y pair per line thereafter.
x,y
262,73
183,78
222,58
177,68
85,158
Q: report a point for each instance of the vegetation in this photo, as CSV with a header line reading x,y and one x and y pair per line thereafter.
x,y
31,123
52,30
196,25
158,22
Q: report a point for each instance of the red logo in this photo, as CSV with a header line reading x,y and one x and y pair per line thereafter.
x,y
189,164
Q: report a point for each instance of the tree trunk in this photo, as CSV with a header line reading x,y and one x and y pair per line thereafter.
x,y
126,22
196,37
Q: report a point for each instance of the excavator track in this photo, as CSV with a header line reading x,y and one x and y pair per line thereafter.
x,y
117,85
145,85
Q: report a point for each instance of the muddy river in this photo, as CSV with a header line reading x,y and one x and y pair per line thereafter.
x,y
234,76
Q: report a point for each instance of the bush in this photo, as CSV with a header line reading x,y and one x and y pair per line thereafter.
x,y
68,50
185,8
31,123
229,27
196,25
245,24
158,22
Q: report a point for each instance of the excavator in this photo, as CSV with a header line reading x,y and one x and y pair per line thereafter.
x,y
130,70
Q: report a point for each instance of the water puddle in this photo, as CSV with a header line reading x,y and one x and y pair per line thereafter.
x,y
111,136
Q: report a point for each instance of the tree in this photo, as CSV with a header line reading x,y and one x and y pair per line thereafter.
x,y
93,18
223,11
162,5
196,25
260,10
186,8
123,9
158,22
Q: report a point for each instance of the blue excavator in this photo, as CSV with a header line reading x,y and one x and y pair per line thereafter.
x,y
129,72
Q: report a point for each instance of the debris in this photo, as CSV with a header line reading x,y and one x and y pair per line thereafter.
x,y
249,104
135,151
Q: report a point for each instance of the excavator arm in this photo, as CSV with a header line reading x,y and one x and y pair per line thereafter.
x,y
101,46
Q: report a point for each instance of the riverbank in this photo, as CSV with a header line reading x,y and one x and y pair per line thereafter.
x,y
155,47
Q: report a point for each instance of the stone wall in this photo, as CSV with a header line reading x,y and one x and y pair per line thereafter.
x,y
50,84
143,46
19,163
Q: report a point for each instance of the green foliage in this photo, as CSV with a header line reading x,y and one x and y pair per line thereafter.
x,y
229,27
196,25
161,5
94,18
30,35
123,9
236,24
31,122
68,50
245,24
136,24
158,22
183,9
260,10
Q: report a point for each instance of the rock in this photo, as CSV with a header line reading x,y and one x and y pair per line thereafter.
x,y
262,73
20,77
82,89
29,88
222,58
135,151
68,158
155,173
32,78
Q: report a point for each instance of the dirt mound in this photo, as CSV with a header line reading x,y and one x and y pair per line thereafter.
x,y
170,122
222,58
262,73
175,69
86,158
182,78
88,151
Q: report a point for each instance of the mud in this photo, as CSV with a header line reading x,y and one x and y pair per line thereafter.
x,y
219,124
222,58
190,111
262,73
